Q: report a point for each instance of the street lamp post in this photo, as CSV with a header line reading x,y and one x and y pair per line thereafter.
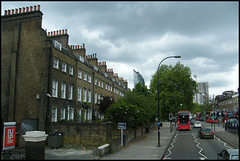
x,y
158,95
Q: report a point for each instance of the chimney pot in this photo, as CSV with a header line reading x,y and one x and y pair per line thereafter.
x,y
16,10
12,11
65,31
38,7
20,10
78,46
27,8
51,33
95,55
6,12
83,45
31,8
23,9
54,33
35,8
59,32
62,31
9,12
48,33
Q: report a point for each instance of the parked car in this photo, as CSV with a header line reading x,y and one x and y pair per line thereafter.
x,y
197,124
229,154
205,133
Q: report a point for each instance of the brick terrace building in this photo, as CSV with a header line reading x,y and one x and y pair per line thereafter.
x,y
42,74
228,101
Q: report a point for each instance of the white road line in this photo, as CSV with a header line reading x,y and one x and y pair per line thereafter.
x,y
175,137
194,136
224,143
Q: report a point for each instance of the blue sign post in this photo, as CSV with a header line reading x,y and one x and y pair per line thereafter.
x,y
122,126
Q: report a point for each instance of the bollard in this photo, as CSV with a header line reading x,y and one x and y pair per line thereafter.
x,y
35,145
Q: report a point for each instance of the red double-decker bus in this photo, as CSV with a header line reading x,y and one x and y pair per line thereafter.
x,y
209,117
183,120
198,115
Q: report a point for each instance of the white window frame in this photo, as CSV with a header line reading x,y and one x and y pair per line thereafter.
x,y
95,82
84,95
63,90
85,76
70,92
70,113
55,88
64,67
79,115
99,83
54,114
55,63
89,114
70,70
79,94
89,96
79,74
62,113
89,79
95,98
99,98
85,114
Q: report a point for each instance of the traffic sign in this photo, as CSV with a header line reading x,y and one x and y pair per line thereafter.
x,y
122,126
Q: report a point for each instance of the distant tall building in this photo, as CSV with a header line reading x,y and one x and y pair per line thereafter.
x,y
138,78
201,97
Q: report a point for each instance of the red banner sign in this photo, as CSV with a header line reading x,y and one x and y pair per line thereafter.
x,y
9,135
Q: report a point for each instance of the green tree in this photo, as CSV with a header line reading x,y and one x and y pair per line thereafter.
x,y
136,108
176,89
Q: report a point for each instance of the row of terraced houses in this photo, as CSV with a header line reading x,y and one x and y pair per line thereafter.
x,y
42,74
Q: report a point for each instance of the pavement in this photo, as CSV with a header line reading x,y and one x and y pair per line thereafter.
x,y
144,147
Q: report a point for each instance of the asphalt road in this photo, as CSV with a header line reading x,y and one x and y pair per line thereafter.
x,y
187,145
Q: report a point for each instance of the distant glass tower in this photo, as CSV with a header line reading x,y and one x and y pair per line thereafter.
x,y
138,78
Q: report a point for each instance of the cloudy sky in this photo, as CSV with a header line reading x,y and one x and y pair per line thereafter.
x,y
138,35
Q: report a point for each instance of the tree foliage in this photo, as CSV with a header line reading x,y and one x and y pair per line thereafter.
x,y
137,108
176,89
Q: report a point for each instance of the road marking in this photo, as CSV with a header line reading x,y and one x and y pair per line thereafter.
x,y
175,137
194,136
224,143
